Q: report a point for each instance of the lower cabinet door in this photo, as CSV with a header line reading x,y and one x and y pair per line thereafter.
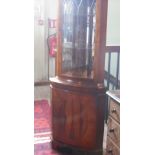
x,y
74,118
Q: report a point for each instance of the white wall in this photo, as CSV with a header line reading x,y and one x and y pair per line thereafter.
x,y
39,42
43,9
113,23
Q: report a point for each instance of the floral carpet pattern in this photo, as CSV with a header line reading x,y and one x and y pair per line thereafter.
x,y
42,129
42,116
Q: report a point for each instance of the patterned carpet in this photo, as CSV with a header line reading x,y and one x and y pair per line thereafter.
x,y
42,116
42,129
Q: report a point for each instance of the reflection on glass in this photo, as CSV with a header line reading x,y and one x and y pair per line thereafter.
x,y
78,37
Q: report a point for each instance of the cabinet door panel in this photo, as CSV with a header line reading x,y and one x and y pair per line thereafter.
x,y
74,118
78,37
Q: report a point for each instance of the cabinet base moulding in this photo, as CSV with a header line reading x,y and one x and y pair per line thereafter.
x,y
68,149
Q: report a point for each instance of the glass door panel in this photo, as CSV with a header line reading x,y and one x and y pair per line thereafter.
x,y
78,29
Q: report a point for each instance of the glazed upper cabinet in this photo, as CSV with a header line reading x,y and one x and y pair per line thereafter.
x,y
82,38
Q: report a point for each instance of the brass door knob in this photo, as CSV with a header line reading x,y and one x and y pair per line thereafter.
x,y
113,110
111,130
110,151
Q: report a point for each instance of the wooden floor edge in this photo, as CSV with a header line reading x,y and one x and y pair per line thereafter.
x,y
41,83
